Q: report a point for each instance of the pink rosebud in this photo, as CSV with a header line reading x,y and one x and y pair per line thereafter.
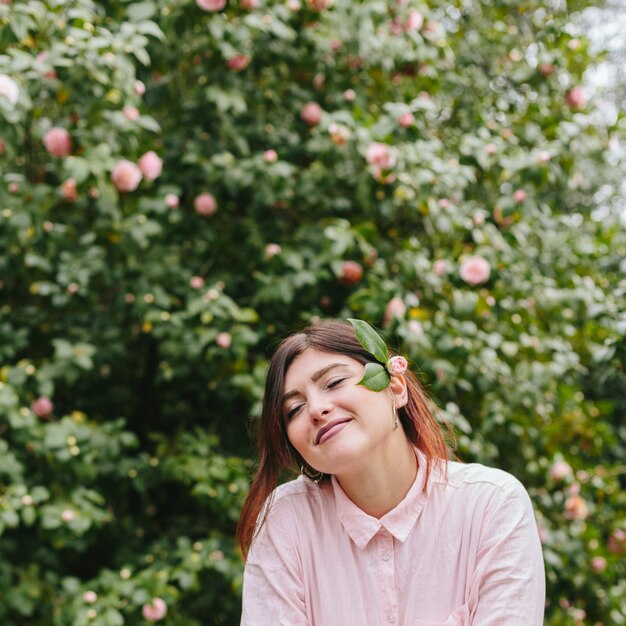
x,y
239,62
272,249
211,5
395,309
140,88
157,609
414,22
546,69
560,470
478,219
172,201
379,155
223,340
311,113
294,5
319,5
249,5
13,187
89,597
573,44
150,165
131,113
349,95
339,134
475,270
576,508
270,156
396,365
318,81
351,273
68,190
205,204
196,282
543,156
406,119
575,98
335,45
598,564
520,195
9,89
126,176
490,148
67,515
73,288
57,142
42,407
617,541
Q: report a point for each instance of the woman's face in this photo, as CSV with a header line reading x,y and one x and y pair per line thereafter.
x,y
335,424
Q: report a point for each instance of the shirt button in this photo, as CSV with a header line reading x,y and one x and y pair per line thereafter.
x,y
391,619
386,556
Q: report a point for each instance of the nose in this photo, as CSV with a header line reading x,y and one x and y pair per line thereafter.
x,y
319,407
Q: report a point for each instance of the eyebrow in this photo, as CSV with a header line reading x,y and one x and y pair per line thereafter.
x,y
314,377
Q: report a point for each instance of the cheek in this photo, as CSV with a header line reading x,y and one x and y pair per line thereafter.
x,y
295,433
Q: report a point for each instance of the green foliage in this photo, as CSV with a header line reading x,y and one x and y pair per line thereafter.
x,y
135,325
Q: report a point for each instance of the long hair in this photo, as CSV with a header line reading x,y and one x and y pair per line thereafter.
x,y
276,454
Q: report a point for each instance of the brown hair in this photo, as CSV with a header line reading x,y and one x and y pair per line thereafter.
x,y
276,453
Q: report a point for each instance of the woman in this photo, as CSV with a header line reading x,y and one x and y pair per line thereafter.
x,y
381,528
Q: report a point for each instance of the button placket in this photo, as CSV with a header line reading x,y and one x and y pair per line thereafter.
x,y
387,580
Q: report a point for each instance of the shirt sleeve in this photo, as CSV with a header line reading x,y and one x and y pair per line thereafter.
x,y
273,589
508,586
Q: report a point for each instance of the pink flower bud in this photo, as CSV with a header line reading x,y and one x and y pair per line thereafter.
x,y
223,340
311,113
89,597
68,190
3,146
573,44
475,270
126,176
150,165
351,273
378,154
196,282
249,5
339,134
439,267
140,88
57,142
318,81
272,249
131,113
9,89
239,62
396,365
270,156
490,148
395,309
576,508
546,69
543,156
172,201
205,204
349,95
575,98
598,564
319,5
211,5
406,119
294,5
67,515
520,195
157,609
42,407
13,187
560,470
414,22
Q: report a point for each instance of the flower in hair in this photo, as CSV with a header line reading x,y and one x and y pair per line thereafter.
x,y
377,375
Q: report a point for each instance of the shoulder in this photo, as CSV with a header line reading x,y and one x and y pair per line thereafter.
x,y
297,498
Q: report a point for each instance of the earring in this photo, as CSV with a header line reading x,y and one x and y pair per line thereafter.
x,y
395,416
313,475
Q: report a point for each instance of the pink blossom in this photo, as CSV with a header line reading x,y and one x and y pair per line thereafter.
x,y
617,541
223,340
414,22
126,176
573,44
560,470
239,62
439,267
9,89
131,113
546,69
319,5
475,270
67,515
395,309
68,190
318,81
140,88
272,249
379,155
57,142
13,187
205,204
396,365
270,156
416,328
89,597
294,5
157,609
490,148
3,146
520,195
335,45
543,156
311,113
339,134
211,5
196,282
351,273
73,288
576,508
150,165
249,5
598,564
349,95
406,119
172,201
478,218
575,98
42,407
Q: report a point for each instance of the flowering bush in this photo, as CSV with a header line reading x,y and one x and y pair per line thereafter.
x,y
182,183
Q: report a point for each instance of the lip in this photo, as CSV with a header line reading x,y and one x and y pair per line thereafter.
x,y
324,429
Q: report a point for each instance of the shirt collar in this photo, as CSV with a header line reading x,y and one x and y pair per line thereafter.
x,y
361,527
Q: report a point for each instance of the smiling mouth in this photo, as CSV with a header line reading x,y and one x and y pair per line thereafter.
x,y
324,429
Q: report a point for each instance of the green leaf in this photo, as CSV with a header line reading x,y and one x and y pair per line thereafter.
x,y
370,340
376,377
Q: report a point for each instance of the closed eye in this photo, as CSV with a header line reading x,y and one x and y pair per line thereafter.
x,y
292,411
331,384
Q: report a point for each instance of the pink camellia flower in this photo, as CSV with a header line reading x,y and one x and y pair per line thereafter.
x,y
439,267
270,156
126,176
598,563
414,22
223,340
395,309
67,515
205,204
172,201
150,165
131,113
249,5
351,273
546,69
294,5
311,113
575,98
196,282
57,142
157,609
406,119
379,155
9,89
519,195
140,88
89,597
239,62
475,270
42,407
396,365
13,187
319,5
617,541
349,95
339,134
576,508
561,470
211,5
573,44
318,81
272,249
68,190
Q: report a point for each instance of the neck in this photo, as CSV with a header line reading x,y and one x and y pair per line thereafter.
x,y
377,488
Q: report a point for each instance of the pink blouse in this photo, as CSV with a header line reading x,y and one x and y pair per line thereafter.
x,y
465,551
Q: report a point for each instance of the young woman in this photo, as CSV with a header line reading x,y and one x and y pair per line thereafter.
x,y
381,528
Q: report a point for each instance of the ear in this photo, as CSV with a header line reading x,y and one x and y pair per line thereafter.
x,y
399,391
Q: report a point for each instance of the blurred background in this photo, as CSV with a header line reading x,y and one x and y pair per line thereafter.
x,y
183,182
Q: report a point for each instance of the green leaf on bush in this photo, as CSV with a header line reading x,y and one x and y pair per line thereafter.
x,y
376,377
370,340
